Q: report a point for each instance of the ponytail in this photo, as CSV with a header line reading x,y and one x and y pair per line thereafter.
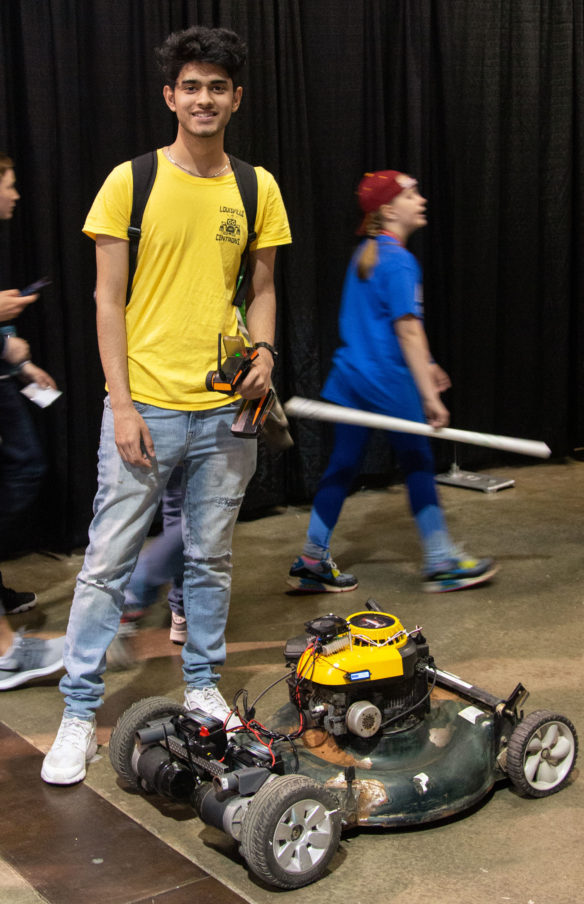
x,y
368,256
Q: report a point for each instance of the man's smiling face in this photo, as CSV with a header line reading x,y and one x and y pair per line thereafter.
x,y
203,99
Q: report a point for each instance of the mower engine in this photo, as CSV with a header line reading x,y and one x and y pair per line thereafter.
x,y
360,674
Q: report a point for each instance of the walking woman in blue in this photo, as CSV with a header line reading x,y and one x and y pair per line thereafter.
x,y
382,333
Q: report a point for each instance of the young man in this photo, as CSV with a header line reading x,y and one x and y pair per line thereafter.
x,y
156,353
21,469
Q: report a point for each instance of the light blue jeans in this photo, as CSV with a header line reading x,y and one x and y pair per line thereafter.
x,y
217,469
161,561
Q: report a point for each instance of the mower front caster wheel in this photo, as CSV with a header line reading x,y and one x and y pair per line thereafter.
x,y
290,831
123,740
541,753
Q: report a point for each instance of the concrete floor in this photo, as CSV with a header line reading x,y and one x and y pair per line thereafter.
x,y
526,625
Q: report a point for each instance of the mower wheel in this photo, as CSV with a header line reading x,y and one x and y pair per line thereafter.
x,y
290,831
541,753
123,740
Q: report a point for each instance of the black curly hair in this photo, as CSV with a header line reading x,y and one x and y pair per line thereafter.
x,y
201,45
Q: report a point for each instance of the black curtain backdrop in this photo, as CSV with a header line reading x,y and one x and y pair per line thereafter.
x,y
482,100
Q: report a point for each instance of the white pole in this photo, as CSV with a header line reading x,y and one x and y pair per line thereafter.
x,y
323,411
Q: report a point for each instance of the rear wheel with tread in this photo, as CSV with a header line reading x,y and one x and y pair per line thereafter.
x,y
122,741
290,831
541,753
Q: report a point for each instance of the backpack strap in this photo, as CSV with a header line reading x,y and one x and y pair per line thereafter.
x,y
247,183
143,175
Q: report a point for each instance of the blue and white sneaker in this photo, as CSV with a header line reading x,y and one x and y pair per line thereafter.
x,y
320,577
28,658
458,574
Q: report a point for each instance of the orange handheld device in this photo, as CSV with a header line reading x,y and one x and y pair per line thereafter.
x,y
230,373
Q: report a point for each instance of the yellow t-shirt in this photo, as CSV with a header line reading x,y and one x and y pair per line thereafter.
x,y
193,232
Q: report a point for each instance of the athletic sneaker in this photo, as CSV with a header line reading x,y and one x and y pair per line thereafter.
x,y
28,658
178,629
15,601
74,747
458,574
320,577
212,702
131,615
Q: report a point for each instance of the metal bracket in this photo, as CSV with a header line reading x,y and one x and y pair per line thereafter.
x,y
471,481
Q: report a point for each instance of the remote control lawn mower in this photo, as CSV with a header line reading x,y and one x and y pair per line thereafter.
x,y
374,734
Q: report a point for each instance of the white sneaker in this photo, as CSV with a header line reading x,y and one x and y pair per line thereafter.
x,y
178,629
212,702
74,746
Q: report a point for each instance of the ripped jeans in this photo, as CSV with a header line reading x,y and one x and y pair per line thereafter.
x,y
217,468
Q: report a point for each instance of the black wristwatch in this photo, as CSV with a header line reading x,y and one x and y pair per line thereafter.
x,y
269,347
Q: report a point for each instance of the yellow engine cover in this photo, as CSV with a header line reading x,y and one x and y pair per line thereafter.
x,y
372,652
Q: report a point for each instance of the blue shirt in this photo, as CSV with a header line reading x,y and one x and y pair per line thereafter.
x,y
369,370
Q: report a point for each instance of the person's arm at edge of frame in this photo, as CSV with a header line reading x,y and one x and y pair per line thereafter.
x,y
12,304
261,321
132,436
414,345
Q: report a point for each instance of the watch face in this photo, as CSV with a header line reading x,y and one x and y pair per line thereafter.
x,y
372,620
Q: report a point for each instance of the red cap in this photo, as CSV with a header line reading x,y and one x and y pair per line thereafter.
x,y
381,187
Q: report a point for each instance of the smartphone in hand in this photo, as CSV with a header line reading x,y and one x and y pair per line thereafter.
x,y
36,286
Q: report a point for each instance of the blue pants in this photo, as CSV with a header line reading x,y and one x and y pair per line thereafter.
x,y
217,469
417,463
